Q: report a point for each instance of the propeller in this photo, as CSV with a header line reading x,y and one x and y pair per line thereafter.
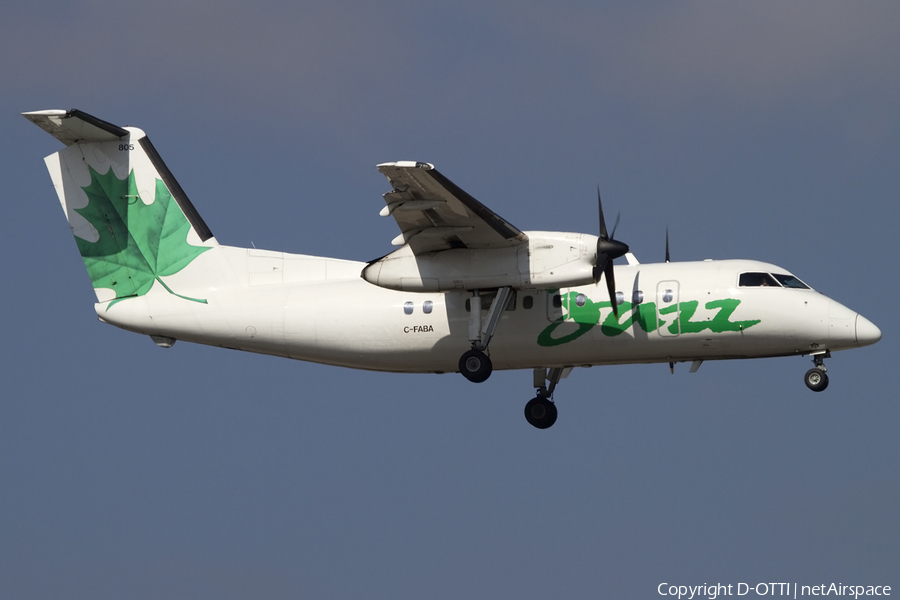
x,y
608,249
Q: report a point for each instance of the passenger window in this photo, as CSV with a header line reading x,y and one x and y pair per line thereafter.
x,y
620,298
528,302
557,301
637,297
757,280
427,307
789,281
580,299
408,308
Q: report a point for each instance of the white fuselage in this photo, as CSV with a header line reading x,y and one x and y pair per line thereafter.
x,y
321,310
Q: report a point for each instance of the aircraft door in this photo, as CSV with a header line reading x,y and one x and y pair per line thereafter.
x,y
554,304
667,308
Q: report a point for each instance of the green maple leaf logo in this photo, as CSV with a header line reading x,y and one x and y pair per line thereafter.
x,y
139,243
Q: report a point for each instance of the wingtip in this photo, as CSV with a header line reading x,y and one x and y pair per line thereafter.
x,y
53,115
407,164
51,112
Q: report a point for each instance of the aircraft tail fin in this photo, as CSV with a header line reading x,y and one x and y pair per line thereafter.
x,y
132,221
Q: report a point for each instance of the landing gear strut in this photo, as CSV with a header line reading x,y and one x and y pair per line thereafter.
x,y
540,411
475,365
815,378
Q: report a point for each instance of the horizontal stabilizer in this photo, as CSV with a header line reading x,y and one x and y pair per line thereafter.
x,y
74,126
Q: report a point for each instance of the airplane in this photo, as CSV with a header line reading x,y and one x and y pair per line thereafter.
x,y
465,291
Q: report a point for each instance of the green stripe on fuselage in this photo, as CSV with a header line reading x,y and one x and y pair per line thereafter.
x,y
643,315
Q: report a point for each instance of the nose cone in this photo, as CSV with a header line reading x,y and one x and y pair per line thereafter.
x,y
866,331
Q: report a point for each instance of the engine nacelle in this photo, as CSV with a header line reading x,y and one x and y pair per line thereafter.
x,y
548,260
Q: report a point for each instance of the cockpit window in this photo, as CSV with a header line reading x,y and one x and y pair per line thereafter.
x,y
789,281
758,280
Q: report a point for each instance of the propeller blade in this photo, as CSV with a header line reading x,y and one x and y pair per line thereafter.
x,y
616,225
599,267
603,234
611,287
603,261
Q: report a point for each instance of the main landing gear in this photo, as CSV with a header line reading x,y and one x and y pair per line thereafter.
x,y
475,365
816,379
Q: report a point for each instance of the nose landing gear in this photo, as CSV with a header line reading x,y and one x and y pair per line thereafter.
x,y
816,379
540,411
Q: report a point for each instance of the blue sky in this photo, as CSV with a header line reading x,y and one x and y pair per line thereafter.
x,y
762,130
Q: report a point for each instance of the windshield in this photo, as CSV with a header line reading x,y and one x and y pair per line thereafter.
x,y
757,280
789,281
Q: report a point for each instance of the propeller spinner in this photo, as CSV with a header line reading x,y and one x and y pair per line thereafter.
x,y
608,249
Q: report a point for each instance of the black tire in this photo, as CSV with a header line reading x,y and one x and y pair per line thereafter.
x,y
540,413
475,366
816,380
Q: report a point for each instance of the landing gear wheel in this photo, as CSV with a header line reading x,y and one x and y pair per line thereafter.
x,y
540,412
475,366
816,380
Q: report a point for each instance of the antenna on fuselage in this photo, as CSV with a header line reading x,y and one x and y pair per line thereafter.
x,y
667,244
668,259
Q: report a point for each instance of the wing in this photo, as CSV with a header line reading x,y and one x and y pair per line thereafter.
x,y
435,214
